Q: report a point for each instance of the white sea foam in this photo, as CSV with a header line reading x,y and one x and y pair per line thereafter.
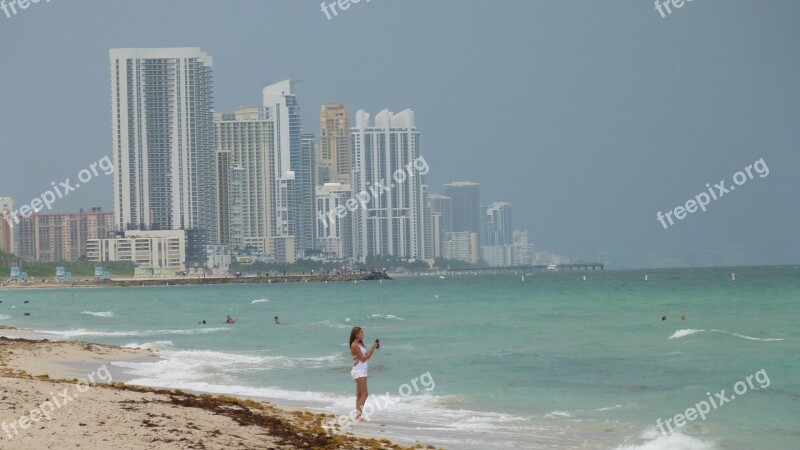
x,y
686,332
751,338
552,414
99,313
609,408
674,441
690,331
68,334
386,316
4,317
260,300
157,345
331,323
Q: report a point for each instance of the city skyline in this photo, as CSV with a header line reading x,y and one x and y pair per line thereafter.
x,y
586,151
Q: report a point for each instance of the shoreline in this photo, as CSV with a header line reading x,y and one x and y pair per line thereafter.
x,y
128,416
185,281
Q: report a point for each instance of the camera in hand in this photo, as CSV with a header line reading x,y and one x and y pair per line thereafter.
x,y
378,341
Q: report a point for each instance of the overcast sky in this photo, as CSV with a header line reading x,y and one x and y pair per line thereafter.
x,y
588,116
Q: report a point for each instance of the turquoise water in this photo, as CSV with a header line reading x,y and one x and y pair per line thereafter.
x,y
551,362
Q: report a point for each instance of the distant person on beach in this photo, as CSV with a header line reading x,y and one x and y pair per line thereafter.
x,y
230,320
359,371
277,321
203,322
662,317
683,317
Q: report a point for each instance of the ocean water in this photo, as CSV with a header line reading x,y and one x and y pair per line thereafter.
x,y
555,361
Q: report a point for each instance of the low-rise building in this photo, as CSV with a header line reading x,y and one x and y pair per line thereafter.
x,y
164,249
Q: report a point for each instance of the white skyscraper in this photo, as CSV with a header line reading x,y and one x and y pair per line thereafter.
x,y
249,182
163,140
293,163
393,222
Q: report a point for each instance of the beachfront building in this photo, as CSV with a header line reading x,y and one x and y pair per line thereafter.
x,y
392,223
7,229
441,207
460,246
499,229
51,237
516,253
333,162
427,235
162,249
293,185
306,194
245,178
218,258
163,140
334,231
465,210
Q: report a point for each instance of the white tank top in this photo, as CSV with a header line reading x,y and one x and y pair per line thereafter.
x,y
362,364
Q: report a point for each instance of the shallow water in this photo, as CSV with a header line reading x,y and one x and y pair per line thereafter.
x,y
551,362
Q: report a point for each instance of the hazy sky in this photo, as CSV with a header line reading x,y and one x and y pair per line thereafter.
x,y
588,116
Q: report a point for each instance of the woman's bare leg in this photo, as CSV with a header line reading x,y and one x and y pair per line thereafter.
x,y
361,396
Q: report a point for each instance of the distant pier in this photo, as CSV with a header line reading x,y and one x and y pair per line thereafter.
x,y
510,269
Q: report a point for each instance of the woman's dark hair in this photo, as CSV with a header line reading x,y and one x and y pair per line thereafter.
x,y
354,334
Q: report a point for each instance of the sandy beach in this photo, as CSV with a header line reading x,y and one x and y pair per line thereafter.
x,y
66,395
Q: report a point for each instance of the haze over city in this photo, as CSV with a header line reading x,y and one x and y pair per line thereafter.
x,y
589,118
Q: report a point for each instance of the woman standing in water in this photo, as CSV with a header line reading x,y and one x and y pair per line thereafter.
x,y
359,371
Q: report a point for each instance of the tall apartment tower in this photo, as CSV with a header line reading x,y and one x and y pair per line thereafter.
x,y
163,140
393,223
249,139
334,144
306,191
292,220
465,212
499,229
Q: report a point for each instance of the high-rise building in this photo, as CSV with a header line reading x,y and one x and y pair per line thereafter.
x,y
7,231
163,140
306,191
224,184
292,219
50,237
441,207
427,235
249,180
334,233
334,144
499,230
465,215
392,223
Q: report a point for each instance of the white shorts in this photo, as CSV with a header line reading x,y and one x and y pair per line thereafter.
x,y
358,372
